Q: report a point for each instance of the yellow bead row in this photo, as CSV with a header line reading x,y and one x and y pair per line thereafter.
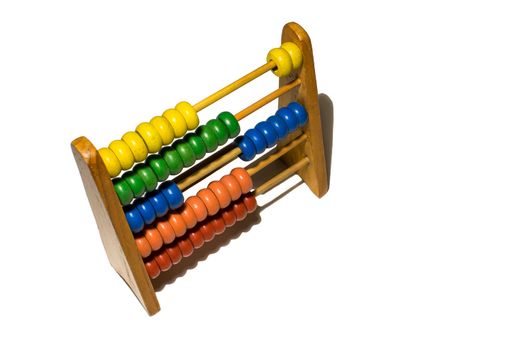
x,y
287,58
149,137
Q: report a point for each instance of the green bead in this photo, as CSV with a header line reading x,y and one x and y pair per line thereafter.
x,y
135,183
147,175
159,166
231,123
208,136
124,192
186,153
197,145
220,130
172,158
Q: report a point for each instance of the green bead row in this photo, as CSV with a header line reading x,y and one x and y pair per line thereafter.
x,y
171,160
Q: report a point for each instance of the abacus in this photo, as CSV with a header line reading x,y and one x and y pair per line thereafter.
x,y
145,224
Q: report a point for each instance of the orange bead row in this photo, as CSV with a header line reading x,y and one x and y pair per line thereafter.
x,y
208,201
173,253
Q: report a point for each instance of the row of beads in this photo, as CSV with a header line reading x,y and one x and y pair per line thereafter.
x,y
208,201
287,58
173,253
172,159
267,133
149,138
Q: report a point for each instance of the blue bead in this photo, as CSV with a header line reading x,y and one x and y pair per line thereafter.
x,y
257,138
270,135
299,111
173,195
292,122
146,210
247,147
135,221
279,126
159,203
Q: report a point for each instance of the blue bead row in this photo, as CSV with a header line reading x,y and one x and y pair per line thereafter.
x,y
156,204
266,134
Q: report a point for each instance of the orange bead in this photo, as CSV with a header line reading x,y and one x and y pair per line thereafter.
x,y
234,189
174,252
163,260
229,217
143,246
198,206
196,238
185,246
210,200
178,224
207,231
250,202
152,268
166,231
244,179
240,211
154,238
189,216
219,226
221,192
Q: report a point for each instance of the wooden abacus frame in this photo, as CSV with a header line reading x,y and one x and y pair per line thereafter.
x,y
116,235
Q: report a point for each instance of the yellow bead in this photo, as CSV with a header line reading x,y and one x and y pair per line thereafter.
x,y
110,161
150,136
136,145
295,53
163,127
189,113
123,153
177,122
282,60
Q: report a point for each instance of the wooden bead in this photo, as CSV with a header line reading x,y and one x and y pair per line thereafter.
x,y
164,129
243,178
185,153
173,194
159,203
143,246
163,260
228,216
231,123
166,231
279,125
123,190
146,210
250,202
196,238
173,160
210,200
221,193
220,130
110,161
207,231
234,189
152,268
292,122
207,135
295,54
136,145
185,246
135,183
189,113
147,175
197,145
198,206
123,153
178,224
282,60
269,133
300,112
159,167
240,211
177,121
257,138
150,136
154,238
247,148
189,216
174,252
219,226
134,219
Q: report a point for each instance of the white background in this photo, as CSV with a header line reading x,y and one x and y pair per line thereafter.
x,y
419,244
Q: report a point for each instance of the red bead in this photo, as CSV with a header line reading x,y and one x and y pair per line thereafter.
x,y
196,238
229,217
152,268
207,231
163,260
250,202
240,210
174,252
218,224
185,246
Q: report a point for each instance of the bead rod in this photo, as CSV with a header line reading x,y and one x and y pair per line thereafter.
x,y
267,161
225,91
267,99
276,180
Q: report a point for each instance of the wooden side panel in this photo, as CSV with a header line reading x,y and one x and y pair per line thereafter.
x,y
113,227
315,174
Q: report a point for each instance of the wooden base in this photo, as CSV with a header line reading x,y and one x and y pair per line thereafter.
x,y
315,174
114,230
